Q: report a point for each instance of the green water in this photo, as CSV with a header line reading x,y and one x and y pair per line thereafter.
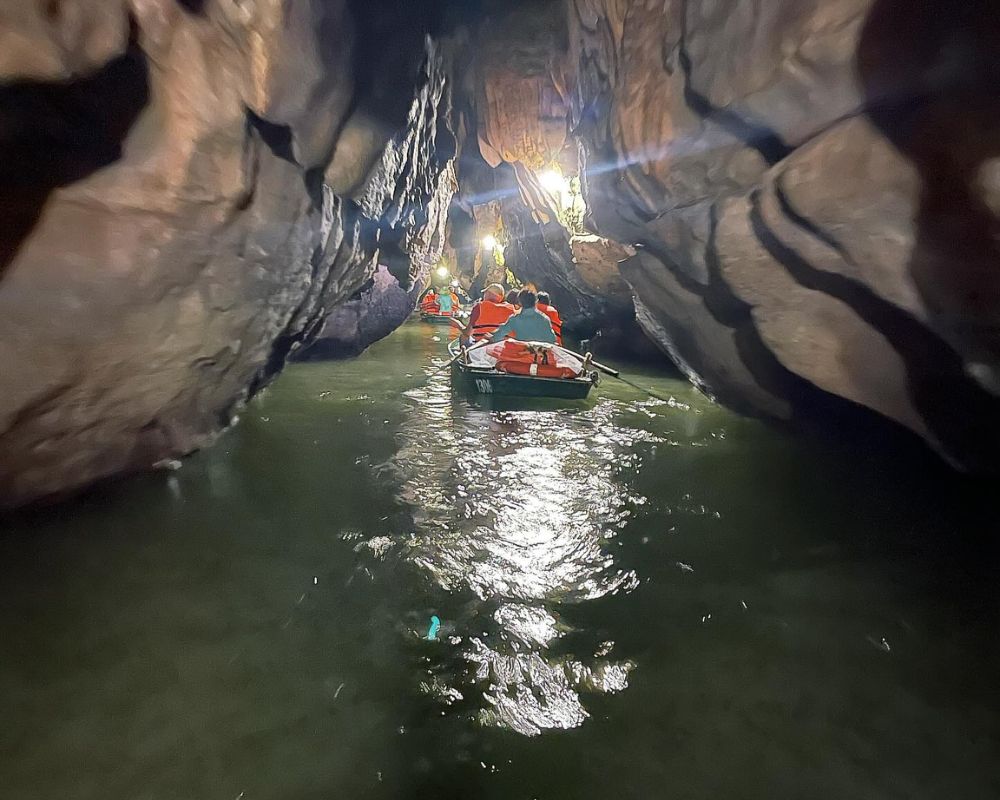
x,y
638,600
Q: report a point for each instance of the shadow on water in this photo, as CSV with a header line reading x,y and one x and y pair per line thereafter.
x,y
638,599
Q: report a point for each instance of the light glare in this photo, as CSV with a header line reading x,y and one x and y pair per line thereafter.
x,y
553,181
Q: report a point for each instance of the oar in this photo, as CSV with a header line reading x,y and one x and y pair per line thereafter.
x,y
615,374
605,369
462,351
602,367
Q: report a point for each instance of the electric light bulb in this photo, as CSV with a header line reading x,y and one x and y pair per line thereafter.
x,y
442,272
553,181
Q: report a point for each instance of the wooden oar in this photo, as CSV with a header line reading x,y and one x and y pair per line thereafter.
x,y
614,374
462,351
605,369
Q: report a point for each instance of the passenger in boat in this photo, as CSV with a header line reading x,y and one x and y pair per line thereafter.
x,y
529,325
545,306
444,300
512,296
429,302
488,314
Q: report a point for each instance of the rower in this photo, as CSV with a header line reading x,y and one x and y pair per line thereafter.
x,y
444,301
529,325
488,314
545,306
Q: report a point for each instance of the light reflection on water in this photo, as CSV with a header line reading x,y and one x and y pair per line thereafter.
x,y
704,603
521,509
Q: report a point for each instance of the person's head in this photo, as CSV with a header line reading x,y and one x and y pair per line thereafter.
x,y
543,298
527,298
512,297
493,292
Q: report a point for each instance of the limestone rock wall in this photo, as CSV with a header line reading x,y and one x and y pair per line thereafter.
x,y
812,189
518,127
171,234
372,313
801,197
406,195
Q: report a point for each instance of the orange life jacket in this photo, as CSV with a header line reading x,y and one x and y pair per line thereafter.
x,y
553,315
491,316
430,304
519,358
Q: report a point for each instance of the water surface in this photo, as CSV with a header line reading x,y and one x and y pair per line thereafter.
x,y
638,598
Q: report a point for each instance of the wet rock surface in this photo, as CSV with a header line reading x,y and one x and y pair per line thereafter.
x,y
371,314
799,203
809,188
170,238
518,127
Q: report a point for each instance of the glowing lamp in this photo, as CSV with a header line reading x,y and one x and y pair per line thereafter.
x,y
553,181
490,242
442,272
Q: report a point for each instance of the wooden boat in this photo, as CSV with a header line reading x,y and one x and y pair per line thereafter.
x,y
437,318
488,381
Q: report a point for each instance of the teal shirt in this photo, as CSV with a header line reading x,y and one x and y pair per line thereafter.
x,y
528,325
444,303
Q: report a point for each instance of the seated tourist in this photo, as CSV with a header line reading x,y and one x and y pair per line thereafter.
x,y
488,314
545,306
530,325
429,303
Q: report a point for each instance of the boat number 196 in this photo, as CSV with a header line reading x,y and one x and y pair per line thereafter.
x,y
484,387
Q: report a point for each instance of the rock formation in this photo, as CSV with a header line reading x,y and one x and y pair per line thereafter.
x,y
812,190
372,313
188,188
406,193
798,200
517,119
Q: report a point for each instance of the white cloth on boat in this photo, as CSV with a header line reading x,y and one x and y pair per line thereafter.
x,y
480,358
484,358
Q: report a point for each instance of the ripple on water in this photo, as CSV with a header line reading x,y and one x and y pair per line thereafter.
x,y
517,511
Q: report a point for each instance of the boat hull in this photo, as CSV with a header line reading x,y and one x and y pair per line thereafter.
x,y
491,382
439,319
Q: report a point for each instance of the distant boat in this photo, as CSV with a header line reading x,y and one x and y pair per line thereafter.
x,y
488,380
438,318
